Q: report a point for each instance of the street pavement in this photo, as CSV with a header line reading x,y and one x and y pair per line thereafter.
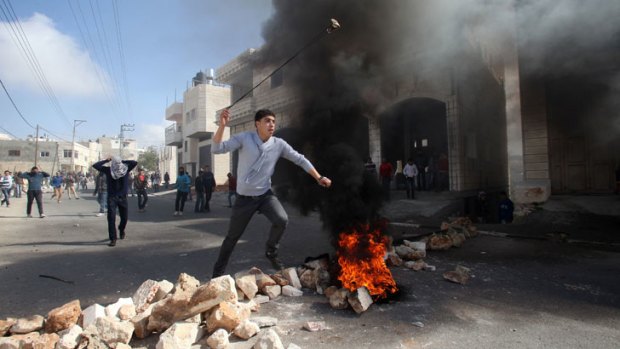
x,y
523,293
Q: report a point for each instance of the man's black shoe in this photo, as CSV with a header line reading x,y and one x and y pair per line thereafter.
x,y
122,235
112,243
276,263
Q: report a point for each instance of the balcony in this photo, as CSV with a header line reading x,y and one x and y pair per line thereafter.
x,y
174,136
175,112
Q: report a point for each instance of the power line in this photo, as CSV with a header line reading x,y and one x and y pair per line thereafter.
x,y
121,51
15,106
22,39
9,133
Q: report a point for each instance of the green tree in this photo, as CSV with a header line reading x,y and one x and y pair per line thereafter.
x,y
149,160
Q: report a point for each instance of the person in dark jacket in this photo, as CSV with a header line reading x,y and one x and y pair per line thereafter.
x,y
200,194
141,183
208,181
183,187
117,177
101,190
35,178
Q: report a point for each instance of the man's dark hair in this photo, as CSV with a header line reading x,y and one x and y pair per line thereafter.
x,y
262,113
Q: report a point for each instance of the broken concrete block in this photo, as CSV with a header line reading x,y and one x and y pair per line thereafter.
x,y
290,346
290,274
252,305
165,287
322,262
264,280
417,265
218,340
309,278
393,259
415,245
330,290
460,275
90,314
272,291
112,309
269,339
265,321
145,294
69,338
439,242
315,326
228,315
408,253
111,331
45,341
140,323
279,279
63,317
186,283
90,339
247,284
5,326
10,343
27,325
25,340
246,329
290,291
128,311
339,299
181,335
360,300
260,299
430,267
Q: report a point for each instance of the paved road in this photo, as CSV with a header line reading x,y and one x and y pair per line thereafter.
x,y
524,294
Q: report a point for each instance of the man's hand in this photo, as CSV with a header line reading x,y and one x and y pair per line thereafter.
x,y
224,117
325,182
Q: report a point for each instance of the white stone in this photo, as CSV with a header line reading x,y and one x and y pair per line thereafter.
x,y
264,321
290,346
360,300
145,294
122,346
10,343
246,329
112,309
269,340
290,274
90,314
165,287
69,338
27,325
247,284
315,326
260,299
218,340
181,335
272,291
291,291
111,331
416,245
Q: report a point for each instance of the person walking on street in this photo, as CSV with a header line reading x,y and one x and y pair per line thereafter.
x,y
200,193
6,182
232,188
258,153
166,180
70,180
117,180
19,185
411,172
183,187
189,193
101,190
131,183
57,185
386,171
141,183
208,181
35,179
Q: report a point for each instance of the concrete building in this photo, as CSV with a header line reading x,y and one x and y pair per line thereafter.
x,y
49,155
504,121
111,146
194,124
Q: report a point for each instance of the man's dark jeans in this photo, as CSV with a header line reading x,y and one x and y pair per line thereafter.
x,y
115,202
143,198
200,201
410,181
243,210
179,203
208,195
34,195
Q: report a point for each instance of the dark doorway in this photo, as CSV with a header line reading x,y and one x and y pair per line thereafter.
x,y
416,128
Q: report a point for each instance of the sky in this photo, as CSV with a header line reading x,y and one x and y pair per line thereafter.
x,y
113,62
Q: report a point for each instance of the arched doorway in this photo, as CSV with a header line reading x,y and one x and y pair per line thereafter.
x,y
417,129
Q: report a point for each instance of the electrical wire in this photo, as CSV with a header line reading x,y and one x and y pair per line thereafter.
x,y
15,106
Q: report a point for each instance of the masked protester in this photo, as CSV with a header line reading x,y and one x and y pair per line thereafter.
x,y
35,179
117,177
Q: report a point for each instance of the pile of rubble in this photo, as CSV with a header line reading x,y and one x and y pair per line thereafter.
x,y
453,233
182,315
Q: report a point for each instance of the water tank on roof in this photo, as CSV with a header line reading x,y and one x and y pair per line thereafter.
x,y
200,78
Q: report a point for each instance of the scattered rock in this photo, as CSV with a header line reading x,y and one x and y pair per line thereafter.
x,y
315,326
27,325
90,314
112,309
417,265
269,340
247,284
186,283
111,331
260,299
5,326
128,311
180,335
272,291
218,340
265,321
63,317
140,323
360,300
291,291
246,329
290,274
144,295
439,242
165,287
69,338
227,315
460,275
415,245
339,299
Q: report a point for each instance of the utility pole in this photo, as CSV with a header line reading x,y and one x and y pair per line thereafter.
x,y
75,124
36,147
124,128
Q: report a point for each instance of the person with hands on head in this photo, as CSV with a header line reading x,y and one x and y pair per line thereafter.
x,y
117,178
35,181
258,151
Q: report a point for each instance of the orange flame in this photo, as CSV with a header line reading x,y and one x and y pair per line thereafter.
x,y
360,257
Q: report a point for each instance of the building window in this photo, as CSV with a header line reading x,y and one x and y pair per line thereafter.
x,y
425,142
14,152
277,79
45,154
76,154
66,153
